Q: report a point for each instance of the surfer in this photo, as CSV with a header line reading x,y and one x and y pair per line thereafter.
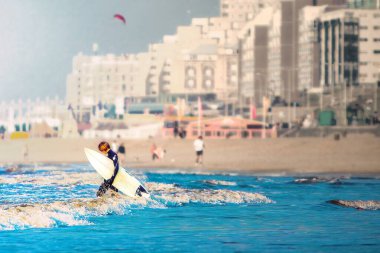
x,y
105,148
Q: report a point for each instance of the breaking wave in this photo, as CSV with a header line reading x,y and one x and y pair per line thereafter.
x,y
76,212
67,213
171,194
315,180
219,182
358,204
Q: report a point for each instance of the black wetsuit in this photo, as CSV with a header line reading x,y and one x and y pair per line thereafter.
x,y
107,184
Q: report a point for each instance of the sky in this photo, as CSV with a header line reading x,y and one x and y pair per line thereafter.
x,y
39,38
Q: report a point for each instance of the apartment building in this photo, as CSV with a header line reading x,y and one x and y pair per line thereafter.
x,y
284,45
104,80
253,62
243,10
342,44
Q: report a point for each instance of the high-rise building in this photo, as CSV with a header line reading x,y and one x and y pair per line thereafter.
x,y
342,45
196,61
338,32
253,48
283,45
243,10
309,47
369,44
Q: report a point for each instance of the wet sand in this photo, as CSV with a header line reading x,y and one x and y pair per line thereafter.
x,y
356,154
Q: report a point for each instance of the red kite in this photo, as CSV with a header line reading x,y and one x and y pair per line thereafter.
x,y
120,17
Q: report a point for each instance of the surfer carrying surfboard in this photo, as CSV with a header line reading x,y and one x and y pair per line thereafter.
x,y
105,148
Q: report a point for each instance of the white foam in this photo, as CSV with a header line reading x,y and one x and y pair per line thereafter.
x,y
69,213
219,182
358,204
171,194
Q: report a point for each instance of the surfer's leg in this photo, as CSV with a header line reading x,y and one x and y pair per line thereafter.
x,y
102,189
114,188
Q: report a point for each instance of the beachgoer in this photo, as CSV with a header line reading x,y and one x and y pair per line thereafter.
x,y
153,152
26,153
114,146
199,147
121,153
175,129
105,148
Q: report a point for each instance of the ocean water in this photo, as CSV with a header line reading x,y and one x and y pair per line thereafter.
x,y
53,208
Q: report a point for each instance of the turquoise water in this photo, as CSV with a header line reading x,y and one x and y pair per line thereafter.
x,y
51,208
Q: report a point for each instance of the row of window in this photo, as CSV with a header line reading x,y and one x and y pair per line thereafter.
x,y
366,39
376,27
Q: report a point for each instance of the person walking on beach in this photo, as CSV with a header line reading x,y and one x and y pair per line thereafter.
x,y
26,153
199,147
105,148
121,153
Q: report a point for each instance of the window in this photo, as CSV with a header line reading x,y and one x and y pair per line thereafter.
x,y
363,27
363,39
376,27
376,39
376,51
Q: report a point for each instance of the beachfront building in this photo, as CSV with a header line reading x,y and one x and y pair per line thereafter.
x,y
343,46
350,46
169,69
24,115
309,47
98,83
199,60
253,61
339,40
369,45
284,46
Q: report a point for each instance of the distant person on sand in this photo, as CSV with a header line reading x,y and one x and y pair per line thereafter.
x,y
153,149
157,152
199,147
26,153
114,146
121,153
105,148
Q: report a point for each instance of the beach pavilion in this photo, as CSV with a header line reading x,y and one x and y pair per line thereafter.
x,y
230,128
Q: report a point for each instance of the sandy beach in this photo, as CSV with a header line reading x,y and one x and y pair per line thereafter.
x,y
354,154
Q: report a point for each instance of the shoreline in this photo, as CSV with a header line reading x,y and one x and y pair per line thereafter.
x,y
355,154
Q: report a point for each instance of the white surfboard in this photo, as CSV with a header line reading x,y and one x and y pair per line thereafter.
x,y
124,182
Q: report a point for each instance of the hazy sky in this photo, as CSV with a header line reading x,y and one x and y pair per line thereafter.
x,y
39,38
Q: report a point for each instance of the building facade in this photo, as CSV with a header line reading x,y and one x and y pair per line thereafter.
x,y
364,4
341,44
243,10
338,33
253,48
98,81
20,115
284,46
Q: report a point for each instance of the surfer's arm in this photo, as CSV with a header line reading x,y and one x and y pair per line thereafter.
x,y
115,160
